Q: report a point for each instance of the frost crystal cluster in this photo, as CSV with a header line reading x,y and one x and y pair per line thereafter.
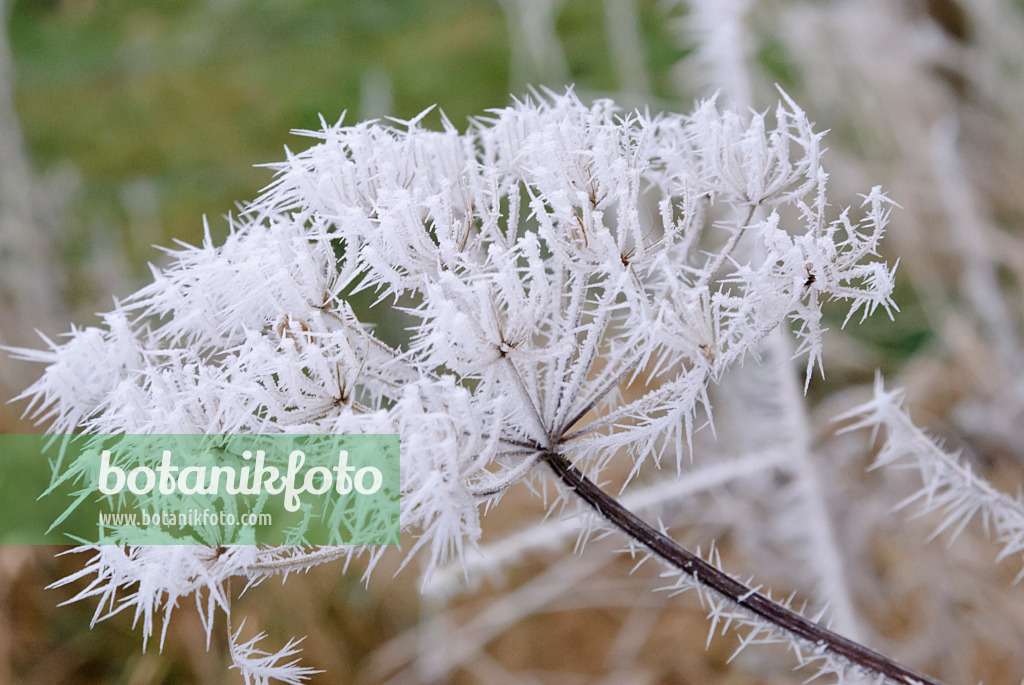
x,y
572,279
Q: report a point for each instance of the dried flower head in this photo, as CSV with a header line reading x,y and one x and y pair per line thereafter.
x,y
550,254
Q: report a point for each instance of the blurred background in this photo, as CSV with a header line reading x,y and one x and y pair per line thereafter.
x,y
123,124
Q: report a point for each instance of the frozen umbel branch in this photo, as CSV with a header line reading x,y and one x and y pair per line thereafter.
x,y
732,601
574,278
948,483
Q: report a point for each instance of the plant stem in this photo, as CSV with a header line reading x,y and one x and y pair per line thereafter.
x,y
724,585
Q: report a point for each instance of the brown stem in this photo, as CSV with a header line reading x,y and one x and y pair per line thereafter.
x,y
721,583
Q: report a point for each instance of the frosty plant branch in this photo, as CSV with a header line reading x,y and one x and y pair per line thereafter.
x,y
573,279
725,586
949,485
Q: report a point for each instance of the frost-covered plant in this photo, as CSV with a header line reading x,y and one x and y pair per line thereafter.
x,y
949,484
547,259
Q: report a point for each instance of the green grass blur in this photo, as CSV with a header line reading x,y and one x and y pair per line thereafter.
x,y
162,109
